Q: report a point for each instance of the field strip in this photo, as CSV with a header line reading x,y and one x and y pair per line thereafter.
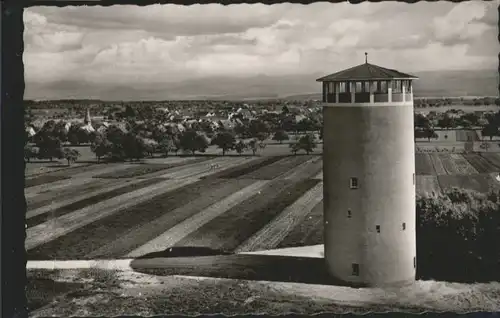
x,y
144,232
271,235
48,197
59,204
492,158
275,169
197,168
427,185
319,175
84,239
192,224
305,169
75,180
227,166
463,165
306,230
480,163
448,163
55,228
438,165
228,230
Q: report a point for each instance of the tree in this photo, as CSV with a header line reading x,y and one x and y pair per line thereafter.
x,y
446,122
294,147
307,143
134,146
48,145
258,129
150,146
420,121
192,141
490,131
240,146
71,155
252,144
280,135
167,145
224,140
30,153
101,147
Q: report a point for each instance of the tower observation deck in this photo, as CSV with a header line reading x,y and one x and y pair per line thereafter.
x,y
369,176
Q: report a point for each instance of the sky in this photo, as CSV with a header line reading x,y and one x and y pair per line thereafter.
x,y
169,43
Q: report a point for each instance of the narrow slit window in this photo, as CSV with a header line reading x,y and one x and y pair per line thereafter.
x,y
378,228
353,184
414,262
349,213
355,269
404,226
413,179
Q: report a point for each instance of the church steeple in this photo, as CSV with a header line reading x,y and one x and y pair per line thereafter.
x,y
87,119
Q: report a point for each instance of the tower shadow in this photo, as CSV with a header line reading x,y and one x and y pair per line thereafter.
x,y
205,262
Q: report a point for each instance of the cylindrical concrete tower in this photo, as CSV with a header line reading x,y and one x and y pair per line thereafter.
x,y
369,176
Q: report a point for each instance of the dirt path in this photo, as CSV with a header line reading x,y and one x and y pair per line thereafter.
x,y
275,231
140,237
55,228
183,229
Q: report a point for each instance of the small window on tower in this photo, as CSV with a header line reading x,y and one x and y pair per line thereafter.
x,y
378,228
353,183
349,213
355,269
414,262
404,226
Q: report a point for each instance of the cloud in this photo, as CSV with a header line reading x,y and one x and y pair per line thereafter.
x,y
48,37
167,20
153,44
458,25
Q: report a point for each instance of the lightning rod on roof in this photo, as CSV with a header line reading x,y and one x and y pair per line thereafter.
x,y
366,57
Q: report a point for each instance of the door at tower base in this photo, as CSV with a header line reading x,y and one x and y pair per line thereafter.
x,y
369,235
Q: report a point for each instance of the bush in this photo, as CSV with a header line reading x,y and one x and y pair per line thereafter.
x,y
456,234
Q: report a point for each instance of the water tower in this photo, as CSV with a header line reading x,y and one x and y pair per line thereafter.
x,y
369,176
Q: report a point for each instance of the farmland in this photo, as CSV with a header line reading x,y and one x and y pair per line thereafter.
x,y
247,204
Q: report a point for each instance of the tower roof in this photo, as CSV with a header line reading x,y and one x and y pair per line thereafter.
x,y
366,71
